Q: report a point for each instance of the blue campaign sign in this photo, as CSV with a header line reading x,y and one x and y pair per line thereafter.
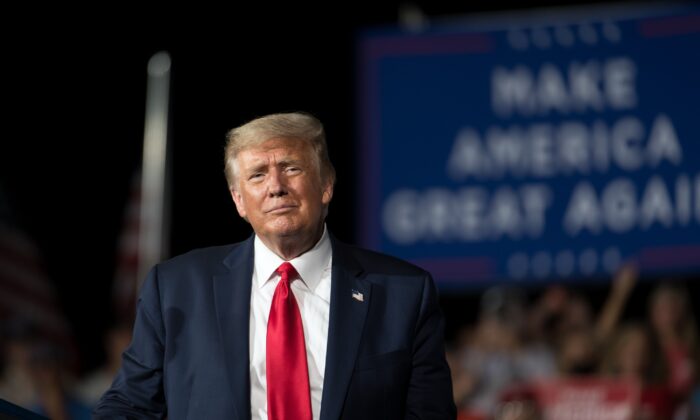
x,y
540,150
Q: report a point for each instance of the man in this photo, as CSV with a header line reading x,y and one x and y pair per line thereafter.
x,y
290,324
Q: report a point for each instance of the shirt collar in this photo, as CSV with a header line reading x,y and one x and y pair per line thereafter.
x,y
310,265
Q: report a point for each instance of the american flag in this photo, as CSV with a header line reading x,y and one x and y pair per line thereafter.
x,y
26,293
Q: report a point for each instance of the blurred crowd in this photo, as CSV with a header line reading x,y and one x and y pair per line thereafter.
x,y
501,364
40,375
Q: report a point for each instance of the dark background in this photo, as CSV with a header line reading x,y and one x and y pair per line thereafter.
x,y
75,91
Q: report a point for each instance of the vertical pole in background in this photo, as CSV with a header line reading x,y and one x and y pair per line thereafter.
x,y
153,235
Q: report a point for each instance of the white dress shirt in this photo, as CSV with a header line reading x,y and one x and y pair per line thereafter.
x,y
313,296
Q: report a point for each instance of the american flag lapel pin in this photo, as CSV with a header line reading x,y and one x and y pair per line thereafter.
x,y
358,296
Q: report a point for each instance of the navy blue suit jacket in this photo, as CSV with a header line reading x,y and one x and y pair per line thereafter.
x,y
189,355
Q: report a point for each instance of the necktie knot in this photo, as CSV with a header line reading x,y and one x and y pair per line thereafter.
x,y
287,271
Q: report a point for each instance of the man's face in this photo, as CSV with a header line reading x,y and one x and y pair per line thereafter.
x,y
278,188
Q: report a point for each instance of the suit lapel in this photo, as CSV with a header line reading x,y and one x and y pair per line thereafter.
x,y
350,299
232,300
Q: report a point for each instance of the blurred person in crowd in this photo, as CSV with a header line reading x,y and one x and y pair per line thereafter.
x,y
49,377
556,311
673,324
34,376
509,305
16,383
562,320
462,381
565,320
577,352
497,356
670,318
488,367
633,355
621,288
560,310
219,333
90,388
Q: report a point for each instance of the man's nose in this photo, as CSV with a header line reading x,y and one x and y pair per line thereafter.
x,y
276,183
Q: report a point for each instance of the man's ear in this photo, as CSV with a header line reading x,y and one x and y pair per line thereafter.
x,y
327,193
238,201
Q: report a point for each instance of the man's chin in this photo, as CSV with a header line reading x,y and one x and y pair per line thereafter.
x,y
286,229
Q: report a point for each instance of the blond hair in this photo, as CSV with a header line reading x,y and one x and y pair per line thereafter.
x,y
295,125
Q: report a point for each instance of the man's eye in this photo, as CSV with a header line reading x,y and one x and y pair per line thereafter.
x,y
255,176
293,169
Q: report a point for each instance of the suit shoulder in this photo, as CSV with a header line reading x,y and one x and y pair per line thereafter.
x,y
201,258
379,263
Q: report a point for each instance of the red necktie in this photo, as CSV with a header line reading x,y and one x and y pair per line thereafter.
x,y
288,396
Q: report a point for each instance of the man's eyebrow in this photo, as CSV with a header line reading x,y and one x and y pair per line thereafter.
x,y
257,167
262,165
289,160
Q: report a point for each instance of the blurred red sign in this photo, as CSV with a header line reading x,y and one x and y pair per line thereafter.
x,y
587,399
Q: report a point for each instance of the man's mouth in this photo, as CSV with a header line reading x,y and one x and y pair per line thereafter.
x,y
282,208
